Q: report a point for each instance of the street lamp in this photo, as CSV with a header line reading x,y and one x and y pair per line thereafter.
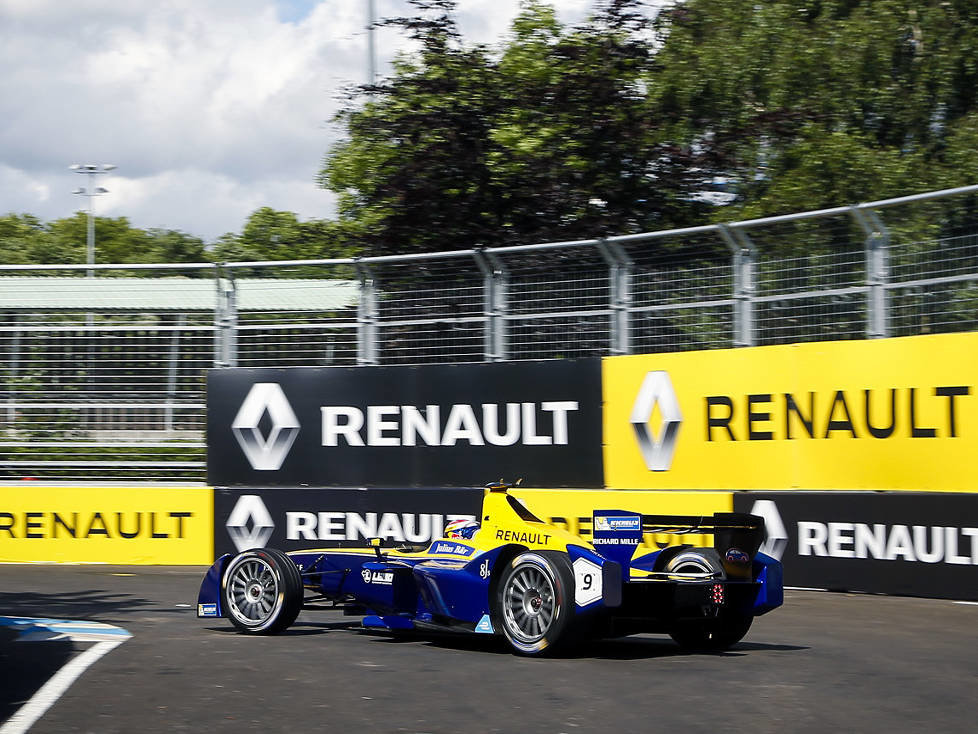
x,y
371,50
91,170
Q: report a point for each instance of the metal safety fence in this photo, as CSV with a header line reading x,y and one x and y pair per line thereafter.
x,y
103,372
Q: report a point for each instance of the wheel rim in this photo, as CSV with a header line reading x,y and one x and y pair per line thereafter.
x,y
529,604
253,592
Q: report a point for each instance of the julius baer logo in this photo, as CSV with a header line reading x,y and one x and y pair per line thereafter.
x,y
266,426
832,414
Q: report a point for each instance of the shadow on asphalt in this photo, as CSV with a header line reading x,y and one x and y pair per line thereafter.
x,y
71,604
622,648
25,667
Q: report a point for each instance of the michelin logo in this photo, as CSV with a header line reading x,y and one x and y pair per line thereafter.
x,y
617,524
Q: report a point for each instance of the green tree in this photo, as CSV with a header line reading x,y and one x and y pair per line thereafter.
x,y
278,235
812,104
549,139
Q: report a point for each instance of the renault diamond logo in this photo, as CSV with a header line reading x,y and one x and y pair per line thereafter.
x,y
656,390
776,539
249,524
265,453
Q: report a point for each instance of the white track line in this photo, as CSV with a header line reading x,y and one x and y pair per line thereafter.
x,y
106,639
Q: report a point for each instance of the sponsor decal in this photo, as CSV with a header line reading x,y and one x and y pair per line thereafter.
x,y
485,625
120,525
384,578
250,525
923,544
484,569
475,425
616,541
132,525
735,555
455,549
430,426
516,536
587,582
876,414
617,524
207,610
916,543
656,392
297,519
403,527
776,537
835,414
265,453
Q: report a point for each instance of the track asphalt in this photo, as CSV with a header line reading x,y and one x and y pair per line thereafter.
x,y
823,662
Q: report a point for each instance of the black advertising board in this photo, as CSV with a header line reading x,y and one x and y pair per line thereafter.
x,y
295,519
427,426
912,544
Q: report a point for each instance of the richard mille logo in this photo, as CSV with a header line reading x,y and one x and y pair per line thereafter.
x,y
265,453
656,390
250,525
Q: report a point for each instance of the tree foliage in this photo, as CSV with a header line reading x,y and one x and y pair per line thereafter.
x,y
24,239
811,104
620,124
548,139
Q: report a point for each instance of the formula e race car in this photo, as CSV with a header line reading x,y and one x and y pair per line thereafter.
x,y
537,585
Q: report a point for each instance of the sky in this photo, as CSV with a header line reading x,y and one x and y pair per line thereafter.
x,y
210,109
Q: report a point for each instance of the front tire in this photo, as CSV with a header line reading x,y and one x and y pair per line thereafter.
x,y
261,591
534,603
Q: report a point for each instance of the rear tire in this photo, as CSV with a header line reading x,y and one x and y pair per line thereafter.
x,y
534,603
261,591
712,635
709,634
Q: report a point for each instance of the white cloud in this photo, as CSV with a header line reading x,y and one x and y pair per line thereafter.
x,y
210,108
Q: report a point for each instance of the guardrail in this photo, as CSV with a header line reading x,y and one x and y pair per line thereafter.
x,y
103,376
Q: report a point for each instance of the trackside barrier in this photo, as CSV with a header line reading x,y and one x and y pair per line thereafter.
x,y
123,525
886,414
886,543
296,519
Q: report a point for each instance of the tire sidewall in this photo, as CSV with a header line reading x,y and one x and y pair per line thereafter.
x,y
277,617
556,568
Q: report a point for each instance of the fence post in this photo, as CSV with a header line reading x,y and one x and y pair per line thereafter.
x,y
500,306
225,320
620,296
744,283
12,373
366,315
493,305
877,248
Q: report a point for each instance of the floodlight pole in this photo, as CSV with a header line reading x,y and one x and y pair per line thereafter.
x,y
91,170
371,51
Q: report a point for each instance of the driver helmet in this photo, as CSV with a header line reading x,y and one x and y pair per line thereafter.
x,y
461,529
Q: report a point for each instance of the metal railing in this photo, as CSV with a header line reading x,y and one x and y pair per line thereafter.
x,y
103,377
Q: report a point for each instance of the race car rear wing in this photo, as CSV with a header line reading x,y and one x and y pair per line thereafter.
x,y
616,533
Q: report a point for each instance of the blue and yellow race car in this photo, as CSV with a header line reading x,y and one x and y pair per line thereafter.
x,y
511,574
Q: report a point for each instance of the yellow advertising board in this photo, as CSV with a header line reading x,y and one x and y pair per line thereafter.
x,y
124,525
885,414
572,509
